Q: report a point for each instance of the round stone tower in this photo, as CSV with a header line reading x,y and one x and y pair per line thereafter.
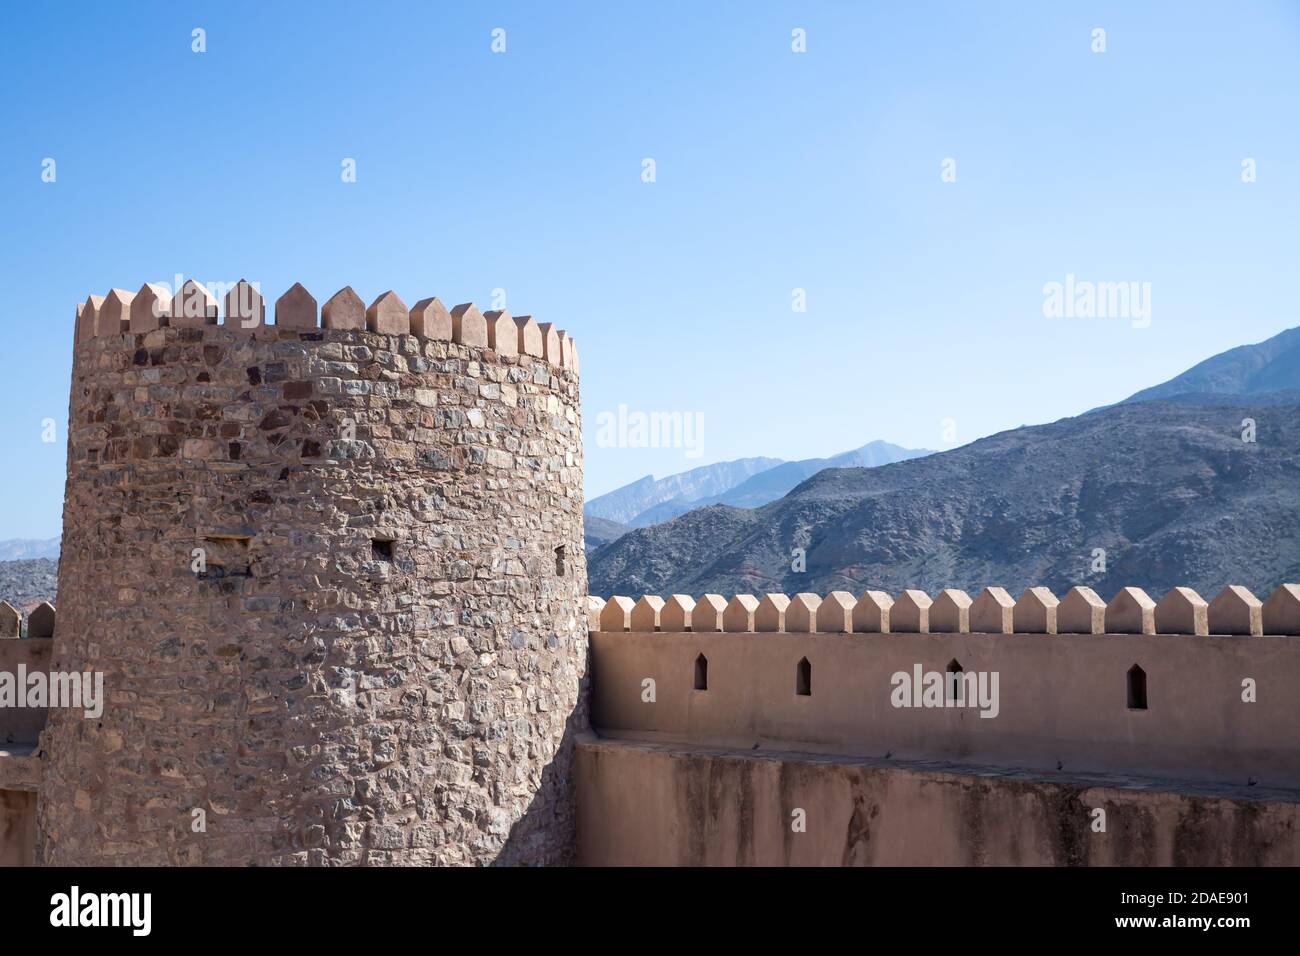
x,y
333,578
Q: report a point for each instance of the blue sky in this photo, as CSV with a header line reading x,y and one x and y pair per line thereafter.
x,y
774,170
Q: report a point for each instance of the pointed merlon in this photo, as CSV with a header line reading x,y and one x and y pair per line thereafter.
x,y
245,308
992,612
871,613
1081,611
835,613
1035,612
530,336
950,612
739,615
594,606
151,308
430,319
706,616
502,333
910,613
575,365
615,615
296,309
563,350
115,314
569,349
468,327
801,615
1131,611
1281,612
677,612
770,615
1182,611
10,620
388,315
87,316
1235,610
41,621
645,613
192,307
550,342
344,310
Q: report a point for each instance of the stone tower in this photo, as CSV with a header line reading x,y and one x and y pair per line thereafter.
x,y
333,577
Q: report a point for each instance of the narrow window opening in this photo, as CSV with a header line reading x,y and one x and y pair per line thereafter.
x,y
1137,688
381,549
701,673
559,561
951,688
803,679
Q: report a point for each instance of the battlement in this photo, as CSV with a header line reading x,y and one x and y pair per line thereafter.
x,y
1182,688
1234,610
243,312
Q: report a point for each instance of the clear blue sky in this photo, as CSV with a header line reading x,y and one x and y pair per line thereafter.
x,y
775,171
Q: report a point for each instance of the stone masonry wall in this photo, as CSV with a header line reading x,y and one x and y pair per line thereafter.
x,y
334,580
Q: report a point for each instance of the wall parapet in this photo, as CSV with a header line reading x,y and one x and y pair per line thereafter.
x,y
244,311
1233,611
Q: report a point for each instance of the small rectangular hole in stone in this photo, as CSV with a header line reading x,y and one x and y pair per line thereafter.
x,y
381,549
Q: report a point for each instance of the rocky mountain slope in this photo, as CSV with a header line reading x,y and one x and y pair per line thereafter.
x,y
25,584
1169,491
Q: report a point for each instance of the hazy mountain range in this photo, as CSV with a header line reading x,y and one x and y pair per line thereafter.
x,y
744,483
1162,482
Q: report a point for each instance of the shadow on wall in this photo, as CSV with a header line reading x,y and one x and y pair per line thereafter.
x,y
546,834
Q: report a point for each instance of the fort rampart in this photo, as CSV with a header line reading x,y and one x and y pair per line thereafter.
x,y
332,572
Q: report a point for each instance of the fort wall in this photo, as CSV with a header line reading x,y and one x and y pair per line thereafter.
x,y
333,578
1212,707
